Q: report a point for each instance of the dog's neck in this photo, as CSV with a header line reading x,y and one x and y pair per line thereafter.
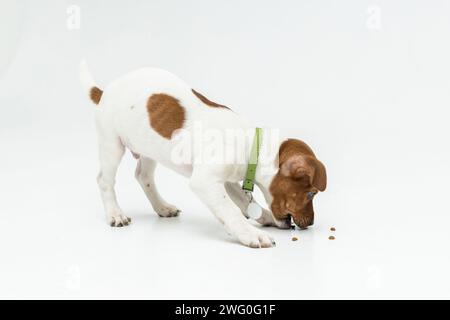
x,y
268,167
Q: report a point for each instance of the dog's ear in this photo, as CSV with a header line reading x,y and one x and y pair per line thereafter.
x,y
300,167
319,180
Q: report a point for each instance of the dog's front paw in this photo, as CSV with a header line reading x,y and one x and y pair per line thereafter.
x,y
119,220
254,238
167,211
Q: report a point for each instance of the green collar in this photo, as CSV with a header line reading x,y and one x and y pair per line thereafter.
x,y
249,181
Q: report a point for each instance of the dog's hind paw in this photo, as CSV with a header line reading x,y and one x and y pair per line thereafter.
x,y
167,211
119,221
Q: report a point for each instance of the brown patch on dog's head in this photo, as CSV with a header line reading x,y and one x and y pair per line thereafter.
x,y
95,94
208,102
165,113
300,177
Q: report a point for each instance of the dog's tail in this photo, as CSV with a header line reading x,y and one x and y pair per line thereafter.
x,y
88,83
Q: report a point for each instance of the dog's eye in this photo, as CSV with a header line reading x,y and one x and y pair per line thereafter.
x,y
310,195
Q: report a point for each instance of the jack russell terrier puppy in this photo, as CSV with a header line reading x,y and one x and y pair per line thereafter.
x,y
148,110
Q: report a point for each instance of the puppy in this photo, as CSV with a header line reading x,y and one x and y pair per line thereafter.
x,y
149,110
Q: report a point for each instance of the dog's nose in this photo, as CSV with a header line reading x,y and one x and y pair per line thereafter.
x,y
304,222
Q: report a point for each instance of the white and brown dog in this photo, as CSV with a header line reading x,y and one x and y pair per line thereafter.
x,y
146,110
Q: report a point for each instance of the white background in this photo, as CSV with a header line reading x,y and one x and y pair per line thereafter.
x,y
365,83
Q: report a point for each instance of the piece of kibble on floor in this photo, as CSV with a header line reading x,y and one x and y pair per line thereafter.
x,y
333,229
294,238
331,238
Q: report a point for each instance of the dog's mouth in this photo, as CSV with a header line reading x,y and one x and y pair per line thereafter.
x,y
284,223
302,222
289,222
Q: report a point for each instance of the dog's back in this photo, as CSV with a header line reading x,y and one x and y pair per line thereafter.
x,y
146,109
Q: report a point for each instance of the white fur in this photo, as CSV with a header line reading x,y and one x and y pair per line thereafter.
x,y
122,121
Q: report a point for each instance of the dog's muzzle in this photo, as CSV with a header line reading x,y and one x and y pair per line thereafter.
x,y
304,222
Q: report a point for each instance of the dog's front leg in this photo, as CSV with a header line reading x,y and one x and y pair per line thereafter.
x,y
242,200
212,193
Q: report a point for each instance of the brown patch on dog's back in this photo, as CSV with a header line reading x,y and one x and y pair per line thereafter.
x,y
208,102
95,94
165,113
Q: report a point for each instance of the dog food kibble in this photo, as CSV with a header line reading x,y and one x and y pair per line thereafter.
x,y
331,237
333,229
294,238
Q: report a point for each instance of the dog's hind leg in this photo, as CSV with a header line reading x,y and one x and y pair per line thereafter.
x,y
242,200
145,176
111,151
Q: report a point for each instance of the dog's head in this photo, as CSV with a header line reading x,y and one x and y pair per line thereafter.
x,y
299,178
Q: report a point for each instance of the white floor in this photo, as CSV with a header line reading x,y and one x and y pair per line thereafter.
x,y
56,244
